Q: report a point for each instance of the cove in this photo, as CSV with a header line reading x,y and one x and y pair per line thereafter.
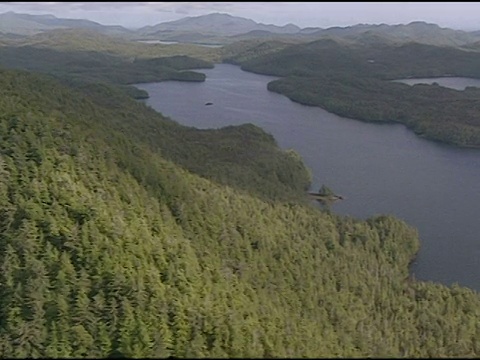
x,y
380,169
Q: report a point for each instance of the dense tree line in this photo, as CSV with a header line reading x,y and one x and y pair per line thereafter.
x,y
244,156
113,243
432,111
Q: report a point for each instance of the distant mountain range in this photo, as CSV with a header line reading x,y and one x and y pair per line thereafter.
x,y
220,28
417,31
12,23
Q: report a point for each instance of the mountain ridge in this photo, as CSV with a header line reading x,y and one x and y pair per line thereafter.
x,y
212,23
222,28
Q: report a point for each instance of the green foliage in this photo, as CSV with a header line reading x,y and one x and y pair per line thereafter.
x,y
123,233
82,40
179,62
242,51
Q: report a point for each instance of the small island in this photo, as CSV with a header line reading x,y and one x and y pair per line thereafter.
x,y
325,194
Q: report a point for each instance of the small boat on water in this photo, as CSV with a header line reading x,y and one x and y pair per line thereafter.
x,y
320,197
208,103
325,195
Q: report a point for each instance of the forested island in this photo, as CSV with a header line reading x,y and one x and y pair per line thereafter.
x,y
125,234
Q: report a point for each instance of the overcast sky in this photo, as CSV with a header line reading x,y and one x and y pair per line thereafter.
x,y
465,16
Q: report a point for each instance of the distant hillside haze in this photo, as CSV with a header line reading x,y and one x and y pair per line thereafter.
x,y
224,28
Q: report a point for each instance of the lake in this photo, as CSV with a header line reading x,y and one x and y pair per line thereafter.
x,y
152,42
380,169
457,83
158,42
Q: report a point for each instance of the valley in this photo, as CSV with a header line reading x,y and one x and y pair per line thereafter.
x,y
135,221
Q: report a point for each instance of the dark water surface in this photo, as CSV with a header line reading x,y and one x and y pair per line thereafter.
x,y
380,169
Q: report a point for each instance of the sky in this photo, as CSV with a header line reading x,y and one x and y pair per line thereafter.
x,y
462,16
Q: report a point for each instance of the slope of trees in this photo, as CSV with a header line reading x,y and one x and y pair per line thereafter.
x,y
112,243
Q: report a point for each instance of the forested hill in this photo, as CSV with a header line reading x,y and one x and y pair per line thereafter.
x,y
123,233
85,56
354,81
99,67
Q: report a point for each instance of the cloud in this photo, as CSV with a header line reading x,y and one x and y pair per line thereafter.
x,y
194,8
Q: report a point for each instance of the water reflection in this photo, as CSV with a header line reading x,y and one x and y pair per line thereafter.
x,y
380,169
